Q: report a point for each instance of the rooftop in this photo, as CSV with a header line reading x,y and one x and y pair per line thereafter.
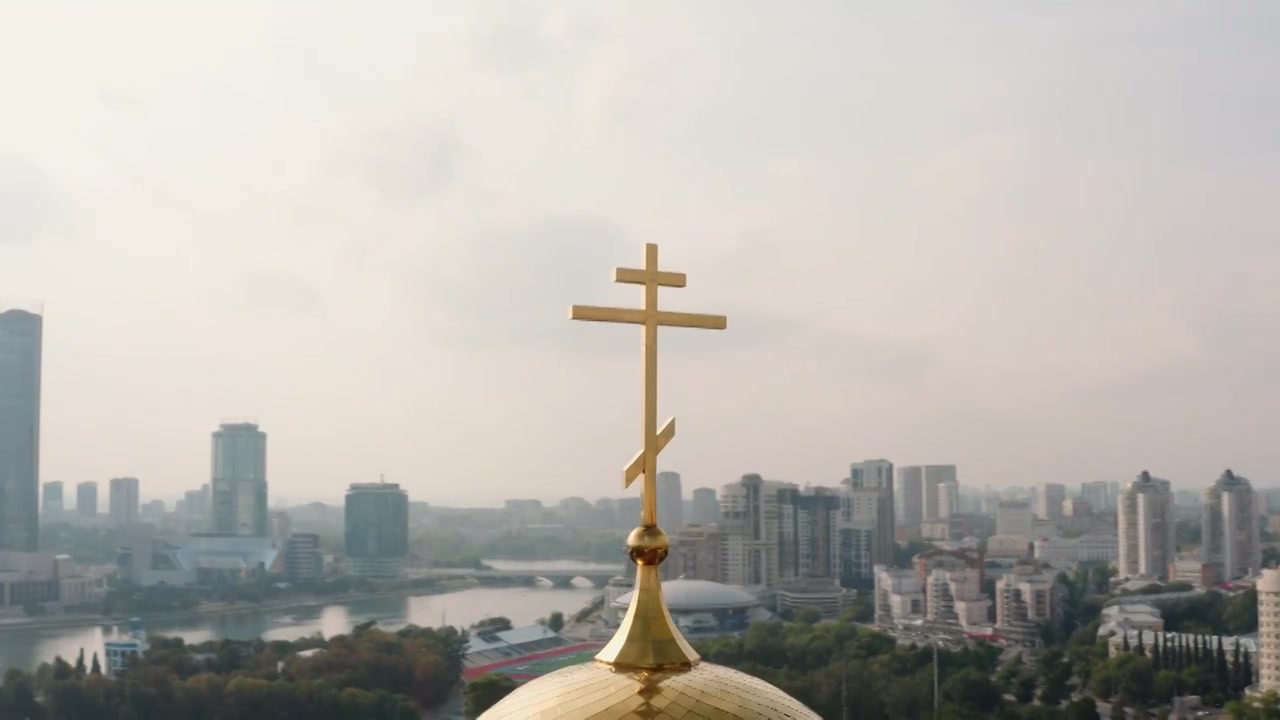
x,y
693,595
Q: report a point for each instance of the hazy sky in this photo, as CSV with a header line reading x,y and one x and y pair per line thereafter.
x,y
1037,240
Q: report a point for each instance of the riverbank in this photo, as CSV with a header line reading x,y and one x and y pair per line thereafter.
x,y
216,609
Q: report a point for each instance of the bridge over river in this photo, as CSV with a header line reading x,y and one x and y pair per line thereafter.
x,y
557,576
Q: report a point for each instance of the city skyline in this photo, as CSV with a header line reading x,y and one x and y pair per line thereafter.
x,y
1009,254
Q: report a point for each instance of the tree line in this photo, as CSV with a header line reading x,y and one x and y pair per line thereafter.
x,y
366,674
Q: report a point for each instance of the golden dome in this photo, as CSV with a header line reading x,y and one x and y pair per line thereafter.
x,y
648,670
596,690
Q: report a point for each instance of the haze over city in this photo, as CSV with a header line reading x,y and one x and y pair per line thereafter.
x,y
1032,240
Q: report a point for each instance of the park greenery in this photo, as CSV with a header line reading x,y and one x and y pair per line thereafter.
x,y
368,674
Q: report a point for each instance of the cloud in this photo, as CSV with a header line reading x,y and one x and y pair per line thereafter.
x,y
410,162
29,200
280,292
514,285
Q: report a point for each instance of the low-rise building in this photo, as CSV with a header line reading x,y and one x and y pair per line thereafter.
x,y
1103,548
1025,598
899,595
1008,546
955,597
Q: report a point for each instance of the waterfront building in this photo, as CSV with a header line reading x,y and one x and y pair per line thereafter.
x,y
1231,542
124,502
238,487
302,559
87,500
21,340
377,529
123,646
1146,525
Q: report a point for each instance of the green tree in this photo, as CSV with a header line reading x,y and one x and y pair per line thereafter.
x,y
1083,709
555,622
485,692
80,668
95,668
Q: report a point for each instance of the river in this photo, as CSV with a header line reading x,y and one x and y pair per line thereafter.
x,y
26,648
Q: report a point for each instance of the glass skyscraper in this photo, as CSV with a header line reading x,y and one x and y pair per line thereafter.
x,y
239,486
377,529
20,348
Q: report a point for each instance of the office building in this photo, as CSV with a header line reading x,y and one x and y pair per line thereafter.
x,y
1146,523
1051,497
52,505
377,529
21,338
695,554
239,483
1230,528
670,500
1268,587
948,499
911,494
123,503
1098,494
807,541
1013,518
1076,508
87,500
933,476
302,559
878,475
706,507
749,528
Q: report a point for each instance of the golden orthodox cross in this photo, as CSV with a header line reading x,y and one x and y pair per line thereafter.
x,y
646,461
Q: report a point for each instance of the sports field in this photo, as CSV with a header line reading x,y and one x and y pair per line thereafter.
x,y
538,664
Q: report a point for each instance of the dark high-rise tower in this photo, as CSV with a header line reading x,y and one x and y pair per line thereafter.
x,y
20,346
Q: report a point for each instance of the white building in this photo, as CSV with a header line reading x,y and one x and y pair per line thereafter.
x,y
948,499
1008,546
749,531
1026,599
1230,524
1092,547
1051,497
955,596
899,595
1013,517
1146,525
1268,631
